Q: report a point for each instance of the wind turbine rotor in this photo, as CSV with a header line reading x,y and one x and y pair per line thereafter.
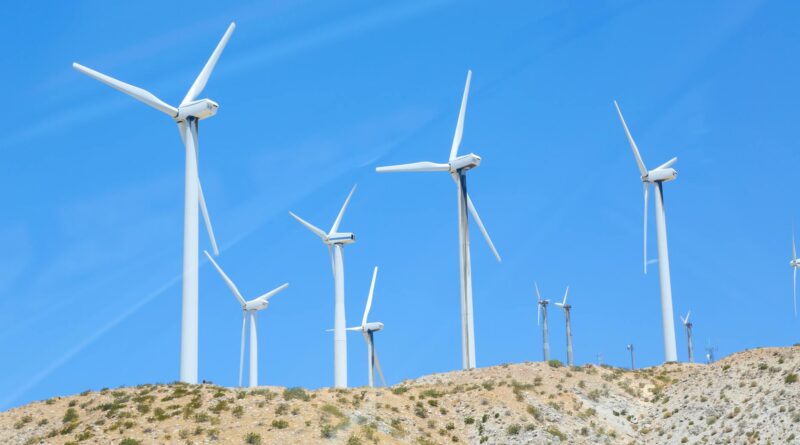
x,y
137,93
200,83
460,124
335,226
228,281
424,166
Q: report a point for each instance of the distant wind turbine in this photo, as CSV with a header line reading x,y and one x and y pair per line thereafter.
x,y
457,167
688,325
795,265
541,314
187,115
567,308
336,241
659,175
368,329
633,361
249,307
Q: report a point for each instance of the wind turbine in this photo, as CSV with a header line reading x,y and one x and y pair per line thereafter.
x,y
567,307
710,350
457,166
187,115
659,175
542,310
795,265
633,362
249,307
368,329
688,325
336,241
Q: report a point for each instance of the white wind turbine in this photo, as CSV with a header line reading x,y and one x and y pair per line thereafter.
x,y
187,115
336,241
659,175
541,314
567,308
368,329
457,167
795,265
633,362
249,307
688,325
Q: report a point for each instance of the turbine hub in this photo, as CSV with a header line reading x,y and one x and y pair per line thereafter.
x,y
465,162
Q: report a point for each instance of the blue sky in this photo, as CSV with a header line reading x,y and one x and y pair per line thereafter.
x,y
313,96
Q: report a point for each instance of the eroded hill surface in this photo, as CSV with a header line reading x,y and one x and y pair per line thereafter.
x,y
749,397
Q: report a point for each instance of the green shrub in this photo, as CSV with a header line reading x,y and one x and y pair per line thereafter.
x,y
70,416
252,439
330,409
353,440
790,378
129,441
238,412
556,432
280,424
295,393
554,363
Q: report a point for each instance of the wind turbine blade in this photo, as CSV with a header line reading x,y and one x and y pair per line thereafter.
x,y
794,249
202,79
794,287
565,297
646,190
228,281
378,365
478,221
639,161
460,125
667,164
272,293
424,166
335,226
354,328
538,296
135,92
687,316
206,218
241,350
369,297
317,231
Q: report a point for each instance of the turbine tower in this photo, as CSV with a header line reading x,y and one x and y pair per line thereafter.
x,y
336,241
249,308
541,314
457,166
633,362
658,176
795,265
710,350
187,115
567,307
368,329
688,325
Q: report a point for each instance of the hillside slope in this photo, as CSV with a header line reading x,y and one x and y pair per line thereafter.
x,y
749,397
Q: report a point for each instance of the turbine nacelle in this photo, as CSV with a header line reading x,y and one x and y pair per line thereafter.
x,y
340,238
465,162
373,326
795,263
198,109
660,175
255,305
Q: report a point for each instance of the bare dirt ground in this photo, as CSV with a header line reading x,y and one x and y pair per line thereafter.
x,y
752,397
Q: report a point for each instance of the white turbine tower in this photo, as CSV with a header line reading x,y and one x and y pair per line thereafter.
x,y
457,167
368,329
658,176
795,265
567,308
249,307
541,314
688,325
187,115
633,362
336,241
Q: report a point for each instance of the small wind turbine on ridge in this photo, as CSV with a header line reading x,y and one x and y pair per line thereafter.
x,y
542,310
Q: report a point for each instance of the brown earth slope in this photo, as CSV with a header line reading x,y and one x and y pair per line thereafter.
x,y
749,397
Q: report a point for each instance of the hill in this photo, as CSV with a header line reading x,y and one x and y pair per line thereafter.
x,y
749,397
